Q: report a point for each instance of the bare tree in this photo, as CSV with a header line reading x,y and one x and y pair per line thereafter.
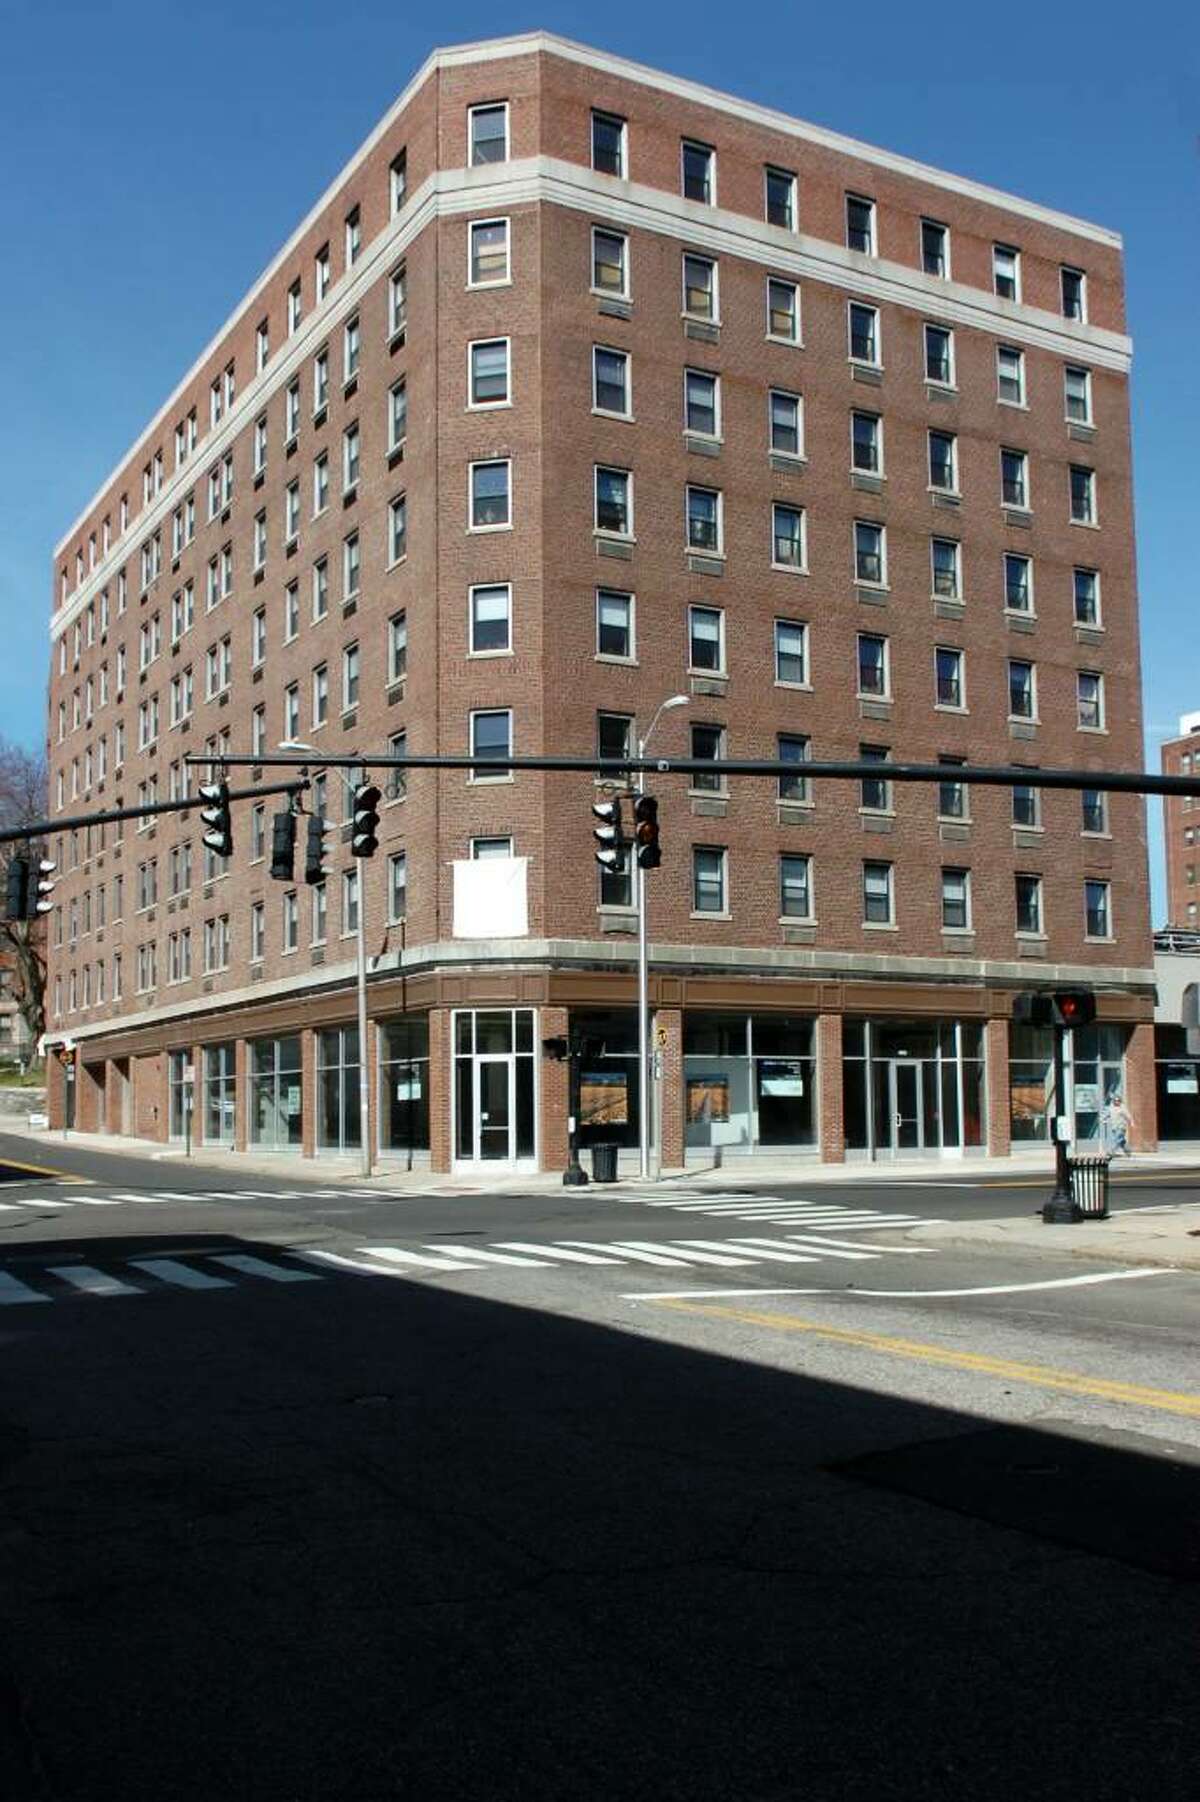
x,y
24,789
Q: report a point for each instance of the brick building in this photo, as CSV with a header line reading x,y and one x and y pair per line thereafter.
x,y
1181,828
583,386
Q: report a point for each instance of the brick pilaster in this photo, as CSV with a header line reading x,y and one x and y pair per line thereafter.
x,y
673,1148
998,1136
553,1022
441,1075
1140,1091
831,1122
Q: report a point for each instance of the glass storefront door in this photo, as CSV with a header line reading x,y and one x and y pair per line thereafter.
x,y
494,1120
276,1094
905,1084
494,1088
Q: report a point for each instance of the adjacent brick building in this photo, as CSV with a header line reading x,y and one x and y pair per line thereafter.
x,y
1181,828
583,386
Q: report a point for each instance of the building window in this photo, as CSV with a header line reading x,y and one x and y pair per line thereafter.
x,y
490,496
1022,695
1006,271
945,555
291,513
610,381
786,423
610,263
939,355
1018,583
1074,294
701,403
700,287
1014,478
293,307
872,666
397,647
262,346
350,677
351,348
290,935
320,381
260,445
322,273
1094,807
943,462
1077,394
397,415
956,900
291,711
864,333
1089,698
1010,375
490,609
351,890
351,455
709,879
708,744
949,683
397,887
614,501
1087,597
1027,807
398,529
490,847
877,894
291,612
703,510
952,794
870,553
860,224
866,443
320,483
787,537
795,888
699,169
614,624
793,747
1083,495
398,301
791,652
258,931
706,639
1097,910
489,383
488,133
935,248
399,181
353,236
608,144
783,310
875,791
780,196
489,252
614,736
320,695
491,736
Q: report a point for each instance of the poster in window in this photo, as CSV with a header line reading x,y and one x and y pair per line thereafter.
x,y
1181,1079
603,1098
781,1078
707,1099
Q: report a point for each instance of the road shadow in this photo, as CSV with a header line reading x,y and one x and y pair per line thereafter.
x,y
364,1538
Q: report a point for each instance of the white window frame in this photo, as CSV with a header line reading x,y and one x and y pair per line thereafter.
x,y
1029,612
1092,518
879,863
397,864
721,668
797,335
872,525
505,525
488,106
941,226
708,375
599,531
936,538
320,696
475,714
711,913
856,199
594,287
1002,399
792,569
713,318
1097,676
397,505
1065,269
477,588
796,625
1006,250
395,440
936,381
937,431
885,693
1025,505
857,413
956,651
1106,937
397,640
351,676
685,144
295,307
322,274
696,550
495,281
864,362
630,600
626,359
1096,625
1070,369
489,406
1032,717
599,112
789,176
797,400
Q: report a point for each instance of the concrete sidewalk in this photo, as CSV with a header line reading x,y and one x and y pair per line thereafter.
x,y
1024,1167
1167,1235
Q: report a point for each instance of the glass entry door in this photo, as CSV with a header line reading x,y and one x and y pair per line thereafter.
x,y
907,1112
494,1115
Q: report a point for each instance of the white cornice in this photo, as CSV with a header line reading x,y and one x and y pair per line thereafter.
x,y
633,207
719,960
548,43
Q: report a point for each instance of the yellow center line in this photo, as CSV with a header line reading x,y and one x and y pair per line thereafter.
x,y
45,1170
1040,1376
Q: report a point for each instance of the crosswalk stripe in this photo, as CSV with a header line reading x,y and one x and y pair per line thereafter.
x,y
830,1251
571,1257
41,1201
12,1290
822,1239
640,1252
274,1273
707,1251
492,1257
92,1281
778,1251
96,1201
182,1276
142,1196
10,1207
394,1256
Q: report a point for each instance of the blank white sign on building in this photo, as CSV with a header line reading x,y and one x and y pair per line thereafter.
x,y
491,898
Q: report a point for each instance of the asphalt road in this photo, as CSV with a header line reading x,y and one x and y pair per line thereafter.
x,y
304,1495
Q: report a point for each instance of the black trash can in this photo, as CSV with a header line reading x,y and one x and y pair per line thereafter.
x,y
1089,1187
604,1163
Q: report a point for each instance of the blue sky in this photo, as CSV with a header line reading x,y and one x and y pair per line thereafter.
x,y
154,157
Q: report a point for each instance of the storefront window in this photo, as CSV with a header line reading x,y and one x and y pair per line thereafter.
x,y
912,1087
338,1113
1094,1059
1177,1076
494,1080
219,1094
276,1094
749,1081
608,1077
179,1095
404,1085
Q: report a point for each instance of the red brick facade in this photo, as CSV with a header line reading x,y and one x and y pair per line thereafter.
x,y
746,956
1181,829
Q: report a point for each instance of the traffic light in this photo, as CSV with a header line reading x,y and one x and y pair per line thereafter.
x,y
314,849
45,887
216,816
1074,1007
283,847
609,835
645,832
18,888
365,839
1032,1009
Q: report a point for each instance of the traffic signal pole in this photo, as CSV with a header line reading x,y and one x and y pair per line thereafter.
x,y
644,1081
1060,1209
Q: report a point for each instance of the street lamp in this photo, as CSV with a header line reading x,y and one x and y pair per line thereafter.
x,y
643,960
364,1107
